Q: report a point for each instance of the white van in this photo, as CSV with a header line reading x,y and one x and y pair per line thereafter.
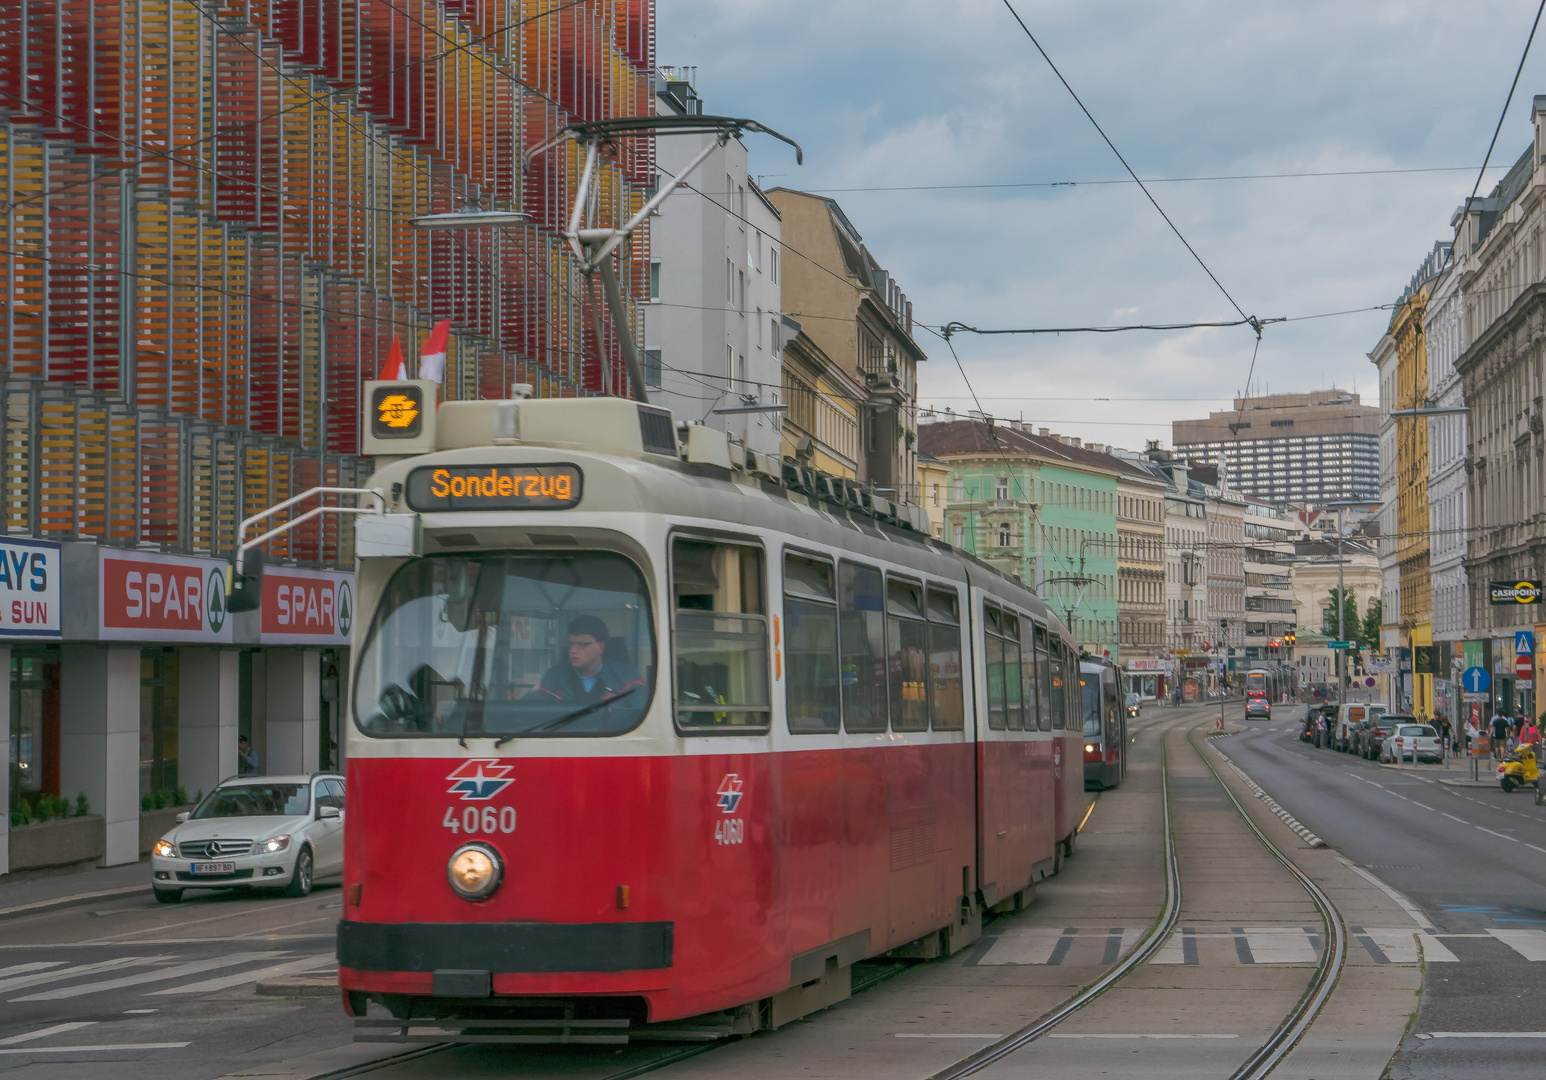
x,y
1349,716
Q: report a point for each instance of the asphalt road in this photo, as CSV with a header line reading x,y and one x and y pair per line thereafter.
x,y
1472,859
137,990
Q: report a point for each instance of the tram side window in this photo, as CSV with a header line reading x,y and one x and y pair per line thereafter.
x,y
721,635
992,623
945,683
1071,698
1014,700
811,699
1059,706
862,636
1028,681
1090,693
906,656
1044,679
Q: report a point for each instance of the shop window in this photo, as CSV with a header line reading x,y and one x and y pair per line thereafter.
x,y
812,701
862,635
158,719
721,635
34,736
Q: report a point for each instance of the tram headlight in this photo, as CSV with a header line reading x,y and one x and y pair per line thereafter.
x,y
475,871
1089,748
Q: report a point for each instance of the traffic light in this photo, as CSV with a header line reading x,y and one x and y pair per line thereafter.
x,y
1290,637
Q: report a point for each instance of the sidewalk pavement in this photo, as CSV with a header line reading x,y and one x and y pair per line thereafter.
x,y
32,891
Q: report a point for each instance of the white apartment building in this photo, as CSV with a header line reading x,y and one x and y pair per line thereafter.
x,y
711,330
1448,502
1384,359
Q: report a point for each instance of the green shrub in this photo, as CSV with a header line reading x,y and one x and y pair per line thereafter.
x,y
82,805
179,796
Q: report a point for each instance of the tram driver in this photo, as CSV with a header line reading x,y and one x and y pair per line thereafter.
x,y
586,675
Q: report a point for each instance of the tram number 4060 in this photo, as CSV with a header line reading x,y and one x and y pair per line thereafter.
x,y
729,831
474,820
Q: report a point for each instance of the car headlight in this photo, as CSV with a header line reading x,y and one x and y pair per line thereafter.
x,y
475,870
165,849
274,843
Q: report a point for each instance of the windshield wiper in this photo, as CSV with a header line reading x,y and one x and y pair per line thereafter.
x,y
560,721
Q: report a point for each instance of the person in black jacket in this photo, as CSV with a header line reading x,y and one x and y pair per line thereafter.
x,y
587,675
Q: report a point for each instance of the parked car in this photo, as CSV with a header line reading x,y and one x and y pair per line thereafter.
x,y
1258,708
1134,705
1408,737
1371,735
1349,716
279,833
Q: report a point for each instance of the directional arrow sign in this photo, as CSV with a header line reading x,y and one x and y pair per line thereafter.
x,y
1476,680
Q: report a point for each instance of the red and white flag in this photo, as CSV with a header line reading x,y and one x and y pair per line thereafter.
x,y
432,361
394,369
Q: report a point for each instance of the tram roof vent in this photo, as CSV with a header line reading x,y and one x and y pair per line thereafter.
x,y
602,425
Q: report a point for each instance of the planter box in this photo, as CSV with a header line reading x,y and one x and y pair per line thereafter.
x,y
154,824
58,843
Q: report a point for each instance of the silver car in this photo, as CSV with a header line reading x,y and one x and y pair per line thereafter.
x,y
281,833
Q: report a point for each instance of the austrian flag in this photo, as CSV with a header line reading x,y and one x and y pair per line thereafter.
x,y
394,370
432,361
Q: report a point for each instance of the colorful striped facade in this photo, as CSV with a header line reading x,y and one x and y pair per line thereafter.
x,y
207,243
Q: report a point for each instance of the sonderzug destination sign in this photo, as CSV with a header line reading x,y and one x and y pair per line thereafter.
x,y
494,487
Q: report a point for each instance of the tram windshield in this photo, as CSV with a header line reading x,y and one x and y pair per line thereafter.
x,y
509,646
1089,685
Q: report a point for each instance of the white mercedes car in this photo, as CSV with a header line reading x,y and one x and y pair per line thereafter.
x,y
268,832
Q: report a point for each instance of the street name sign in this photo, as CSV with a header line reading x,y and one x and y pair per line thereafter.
x,y
1339,644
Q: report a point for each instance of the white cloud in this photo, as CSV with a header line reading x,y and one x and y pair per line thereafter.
x,y
906,92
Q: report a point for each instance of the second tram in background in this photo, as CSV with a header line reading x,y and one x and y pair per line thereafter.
x,y
1102,703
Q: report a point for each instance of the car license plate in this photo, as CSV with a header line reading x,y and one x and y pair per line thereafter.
x,y
214,868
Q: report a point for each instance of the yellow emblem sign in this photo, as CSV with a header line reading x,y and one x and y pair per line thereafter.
x,y
397,410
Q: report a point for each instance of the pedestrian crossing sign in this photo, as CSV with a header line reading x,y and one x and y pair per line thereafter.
x,y
1524,643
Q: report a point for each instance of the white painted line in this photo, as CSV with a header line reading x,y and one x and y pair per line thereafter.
x,y
1400,945
1499,835
1023,947
1170,952
82,969
1424,806
1532,847
159,975
91,1049
1406,905
1482,1035
1280,945
225,982
1452,817
900,1035
1072,1035
21,969
43,1033
1530,944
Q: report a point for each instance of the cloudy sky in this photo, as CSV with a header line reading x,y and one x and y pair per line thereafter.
x,y
931,94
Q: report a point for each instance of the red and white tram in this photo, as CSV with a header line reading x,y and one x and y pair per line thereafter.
x,y
644,733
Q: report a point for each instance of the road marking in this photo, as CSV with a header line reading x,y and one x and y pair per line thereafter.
x,y
225,982
83,969
1278,945
1156,1035
1532,847
1400,945
1482,1035
1499,835
159,975
1530,944
43,1033
242,913
1033,946
1452,817
91,1049
36,965
1406,905
909,1035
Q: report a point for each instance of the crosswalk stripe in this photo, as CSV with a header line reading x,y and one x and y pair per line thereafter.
x,y
38,979
1530,944
1400,945
116,1047
43,1033
1033,946
1279,945
159,975
36,965
225,982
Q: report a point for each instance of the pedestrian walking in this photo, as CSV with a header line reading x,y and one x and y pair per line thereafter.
x,y
1500,734
1529,735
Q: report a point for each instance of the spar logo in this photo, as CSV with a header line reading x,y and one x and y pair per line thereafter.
x,y
479,779
729,792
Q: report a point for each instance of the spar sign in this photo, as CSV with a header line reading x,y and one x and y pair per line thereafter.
x,y
307,607
143,596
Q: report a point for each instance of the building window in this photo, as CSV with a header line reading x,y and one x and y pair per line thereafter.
x,y
936,494
655,281
652,366
740,277
773,333
1001,489
729,281
1003,535
773,264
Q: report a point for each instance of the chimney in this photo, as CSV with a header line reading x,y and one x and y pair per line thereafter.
x,y
1157,453
1074,442
1043,432
1178,475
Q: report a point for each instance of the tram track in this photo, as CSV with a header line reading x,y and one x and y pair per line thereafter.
x,y
1290,1030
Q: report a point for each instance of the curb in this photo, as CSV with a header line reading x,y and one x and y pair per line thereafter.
x,y
1467,782
318,987
41,906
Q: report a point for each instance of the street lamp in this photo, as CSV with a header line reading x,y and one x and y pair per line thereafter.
x,y
471,219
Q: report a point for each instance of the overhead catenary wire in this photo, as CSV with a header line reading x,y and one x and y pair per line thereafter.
x,y
1249,319
1466,210
1015,184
